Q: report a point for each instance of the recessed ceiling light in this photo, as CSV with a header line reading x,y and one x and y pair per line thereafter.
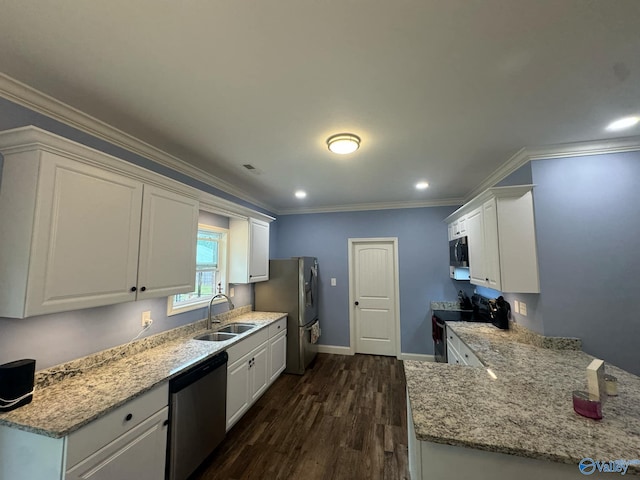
x,y
622,123
422,185
343,143
300,194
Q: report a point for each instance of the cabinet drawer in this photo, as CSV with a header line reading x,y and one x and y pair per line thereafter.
x,y
98,433
467,356
453,340
276,328
244,346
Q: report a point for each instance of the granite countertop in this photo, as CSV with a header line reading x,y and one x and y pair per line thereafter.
x,y
66,405
527,410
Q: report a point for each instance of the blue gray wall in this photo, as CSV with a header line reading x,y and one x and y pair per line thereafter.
x,y
60,337
587,225
423,265
587,228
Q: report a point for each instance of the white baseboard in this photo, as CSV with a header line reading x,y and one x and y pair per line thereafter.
x,y
420,357
337,350
334,350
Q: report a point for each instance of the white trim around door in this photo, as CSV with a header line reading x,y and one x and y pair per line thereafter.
x,y
353,242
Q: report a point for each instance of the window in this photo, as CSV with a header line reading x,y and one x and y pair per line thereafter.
x,y
211,271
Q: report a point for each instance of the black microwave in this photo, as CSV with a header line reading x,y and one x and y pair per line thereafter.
x,y
459,252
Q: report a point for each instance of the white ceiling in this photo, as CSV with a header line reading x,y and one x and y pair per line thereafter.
x,y
439,90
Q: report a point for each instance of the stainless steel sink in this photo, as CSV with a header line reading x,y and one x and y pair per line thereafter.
x,y
215,336
237,328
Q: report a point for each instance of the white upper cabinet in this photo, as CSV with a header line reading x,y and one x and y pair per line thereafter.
x,y
77,234
458,228
168,234
502,244
249,250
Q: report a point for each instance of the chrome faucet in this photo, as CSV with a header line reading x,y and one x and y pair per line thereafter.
x,y
210,322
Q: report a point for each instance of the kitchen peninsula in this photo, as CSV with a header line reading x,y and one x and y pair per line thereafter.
x,y
463,423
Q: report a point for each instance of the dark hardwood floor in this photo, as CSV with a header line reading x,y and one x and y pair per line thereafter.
x,y
344,419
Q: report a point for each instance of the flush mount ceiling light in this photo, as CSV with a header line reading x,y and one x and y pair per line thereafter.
x,y
300,194
622,123
422,185
343,143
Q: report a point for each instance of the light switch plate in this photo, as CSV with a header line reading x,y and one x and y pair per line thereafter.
x,y
232,292
516,306
333,282
523,309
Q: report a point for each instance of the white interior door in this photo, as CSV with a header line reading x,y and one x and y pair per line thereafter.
x,y
374,291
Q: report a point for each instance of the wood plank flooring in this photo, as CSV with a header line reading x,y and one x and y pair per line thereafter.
x,y
344,419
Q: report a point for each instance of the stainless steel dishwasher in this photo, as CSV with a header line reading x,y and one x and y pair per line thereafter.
x,y
197,410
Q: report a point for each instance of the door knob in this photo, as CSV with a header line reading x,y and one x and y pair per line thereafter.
x,y
357,303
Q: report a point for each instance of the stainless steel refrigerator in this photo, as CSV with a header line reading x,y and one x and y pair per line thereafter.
x,y
293,288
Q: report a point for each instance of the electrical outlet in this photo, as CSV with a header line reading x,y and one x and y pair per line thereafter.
x,y
523,309
146,318
516,306
333,282
232,292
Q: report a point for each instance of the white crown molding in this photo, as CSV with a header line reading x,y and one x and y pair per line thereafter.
x,y
452,202
29,97
564,150
24,95
31,138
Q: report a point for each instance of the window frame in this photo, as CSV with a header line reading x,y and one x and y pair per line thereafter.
x,y
223,268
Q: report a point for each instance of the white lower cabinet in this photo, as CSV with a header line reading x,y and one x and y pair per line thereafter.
x,y
129,442
247,379
458,352
138,454
250,369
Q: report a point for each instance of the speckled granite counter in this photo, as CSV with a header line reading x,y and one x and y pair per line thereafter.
x,y
527,410
66,405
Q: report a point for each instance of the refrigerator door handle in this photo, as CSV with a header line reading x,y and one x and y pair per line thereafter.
x,y
306,329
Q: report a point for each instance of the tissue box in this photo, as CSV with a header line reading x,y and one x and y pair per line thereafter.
x,y
595,381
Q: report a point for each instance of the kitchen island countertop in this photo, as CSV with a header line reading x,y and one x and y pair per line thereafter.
x,y
66,405
527,410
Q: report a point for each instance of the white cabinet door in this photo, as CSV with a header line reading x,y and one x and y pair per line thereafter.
x,y
139,453
475,234
259,371
168,239
278,355
491,249
238,389
258,251
249,251
85,240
